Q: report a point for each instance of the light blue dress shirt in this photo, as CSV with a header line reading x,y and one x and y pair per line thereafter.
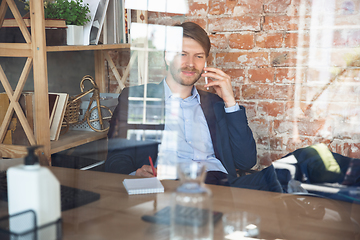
x,y
191,136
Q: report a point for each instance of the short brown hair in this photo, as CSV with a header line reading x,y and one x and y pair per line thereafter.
x,y
194,31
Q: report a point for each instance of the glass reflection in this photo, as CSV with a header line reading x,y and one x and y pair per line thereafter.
x,y
310,97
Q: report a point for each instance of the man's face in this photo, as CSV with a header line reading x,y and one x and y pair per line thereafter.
x,y
187,66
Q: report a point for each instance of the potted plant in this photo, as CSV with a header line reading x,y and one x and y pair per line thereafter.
x,y
74,12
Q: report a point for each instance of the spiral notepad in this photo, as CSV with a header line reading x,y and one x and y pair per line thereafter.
x,y
143,185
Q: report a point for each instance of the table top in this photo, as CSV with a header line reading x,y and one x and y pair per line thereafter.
x,y
117,215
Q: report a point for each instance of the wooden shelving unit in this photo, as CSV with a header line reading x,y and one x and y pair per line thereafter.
x,y
89,47
35,50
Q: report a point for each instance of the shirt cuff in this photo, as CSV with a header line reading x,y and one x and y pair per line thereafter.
x,y
232,109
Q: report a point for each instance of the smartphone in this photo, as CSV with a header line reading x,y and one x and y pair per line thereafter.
x,y
206,79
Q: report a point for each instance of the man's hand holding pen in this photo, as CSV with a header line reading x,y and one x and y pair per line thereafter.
x,y
146,170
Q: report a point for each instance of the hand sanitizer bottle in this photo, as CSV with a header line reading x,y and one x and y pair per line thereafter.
x,y
32,187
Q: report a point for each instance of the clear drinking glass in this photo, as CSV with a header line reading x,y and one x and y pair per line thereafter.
x,y
241,225
191,212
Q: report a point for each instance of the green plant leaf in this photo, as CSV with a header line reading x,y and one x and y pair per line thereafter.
x,y
74,12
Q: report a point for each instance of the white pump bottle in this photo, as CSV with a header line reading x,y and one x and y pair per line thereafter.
x,y
32,187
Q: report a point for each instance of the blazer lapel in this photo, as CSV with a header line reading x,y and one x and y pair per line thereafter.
x,y
207,106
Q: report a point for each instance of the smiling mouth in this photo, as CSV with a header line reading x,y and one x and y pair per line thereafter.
x,y
187,73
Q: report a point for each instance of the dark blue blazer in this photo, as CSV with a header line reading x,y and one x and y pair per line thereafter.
x,y
231,136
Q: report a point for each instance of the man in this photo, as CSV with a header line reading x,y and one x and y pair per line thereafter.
x,y
211,128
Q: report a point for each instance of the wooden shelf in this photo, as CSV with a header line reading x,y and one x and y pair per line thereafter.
x,y
35,50
75,138
69,140
86,47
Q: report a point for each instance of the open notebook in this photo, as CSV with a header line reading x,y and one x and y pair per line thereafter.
x,y
143,185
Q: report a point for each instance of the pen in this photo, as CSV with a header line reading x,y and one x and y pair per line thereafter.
x,y
152,166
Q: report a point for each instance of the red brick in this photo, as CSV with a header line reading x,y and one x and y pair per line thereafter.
x,y
276,143
276,6
300,7
229,24
260,127
242,41
298,142
283,92
283,127
237,75
250,108
301,127
337,147
271,143
211,58
288,59
216,7
261,75
269,40
310,127
263,142
239,8
257,91
272,109
197,9
288,75
292,40
280,23
352,150
236,90
236,59
325,141
294,109
218,41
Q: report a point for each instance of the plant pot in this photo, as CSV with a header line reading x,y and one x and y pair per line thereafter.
x,y
74,35
54,37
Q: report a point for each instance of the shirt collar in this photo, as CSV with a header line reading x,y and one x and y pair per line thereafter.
x,y
169,94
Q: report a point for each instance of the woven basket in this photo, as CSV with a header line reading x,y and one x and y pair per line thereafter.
x,y
72,112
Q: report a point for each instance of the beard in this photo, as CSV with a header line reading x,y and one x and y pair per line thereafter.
x,y
185,80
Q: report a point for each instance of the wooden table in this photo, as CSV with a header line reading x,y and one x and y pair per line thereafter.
x,y
118,216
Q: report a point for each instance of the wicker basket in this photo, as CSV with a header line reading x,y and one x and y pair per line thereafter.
x,y
72,111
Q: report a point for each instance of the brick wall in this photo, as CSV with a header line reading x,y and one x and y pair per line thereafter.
x,y
294,66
